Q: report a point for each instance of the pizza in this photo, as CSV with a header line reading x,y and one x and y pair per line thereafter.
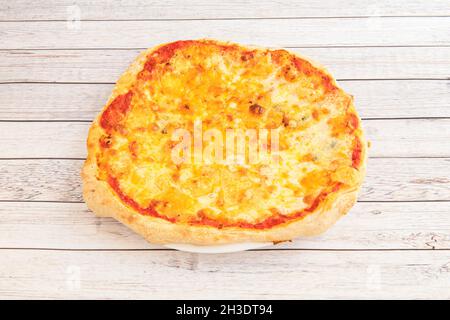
x,y
208,142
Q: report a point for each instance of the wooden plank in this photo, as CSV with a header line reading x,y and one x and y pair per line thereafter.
x,y
409,138
400,99
389,138
105,66
246,275
368,226
65,65
374,99
42,139
390,179
43,101
41,180
272,32
216,9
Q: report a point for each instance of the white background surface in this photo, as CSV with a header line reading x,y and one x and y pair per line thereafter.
x,y
57,72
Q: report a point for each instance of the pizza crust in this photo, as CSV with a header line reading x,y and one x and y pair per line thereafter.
x,y
103,201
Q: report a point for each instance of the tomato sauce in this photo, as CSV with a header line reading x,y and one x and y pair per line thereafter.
x,y
202,219
357,153
116,112
149,211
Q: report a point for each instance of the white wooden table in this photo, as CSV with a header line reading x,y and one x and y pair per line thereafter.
x,y
56,73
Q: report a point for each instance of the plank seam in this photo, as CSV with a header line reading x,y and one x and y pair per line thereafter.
x,y
360,201
231,18
82,159
254,250
341,79
288,47
88,121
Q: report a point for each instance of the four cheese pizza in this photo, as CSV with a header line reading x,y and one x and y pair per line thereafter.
x,y
206,142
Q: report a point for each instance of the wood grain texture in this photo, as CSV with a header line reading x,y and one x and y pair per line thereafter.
x,y
373,99
390,179
216,9
389,138
268,32
395,62
368,226
246,275
105,66
400,99
43,101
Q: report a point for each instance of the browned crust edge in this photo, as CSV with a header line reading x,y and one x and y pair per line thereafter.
x,y
102,200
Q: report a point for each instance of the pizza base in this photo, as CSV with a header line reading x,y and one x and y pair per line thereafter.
x,y
102,200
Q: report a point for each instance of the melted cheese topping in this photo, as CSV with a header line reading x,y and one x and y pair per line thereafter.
x,y
229,87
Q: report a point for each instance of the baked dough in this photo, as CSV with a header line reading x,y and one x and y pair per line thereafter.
x,y
129,173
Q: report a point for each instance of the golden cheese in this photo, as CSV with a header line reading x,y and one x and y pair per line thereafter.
x,y
228,87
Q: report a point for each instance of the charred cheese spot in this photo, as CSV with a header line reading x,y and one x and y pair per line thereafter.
x,y
229,87
256,109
